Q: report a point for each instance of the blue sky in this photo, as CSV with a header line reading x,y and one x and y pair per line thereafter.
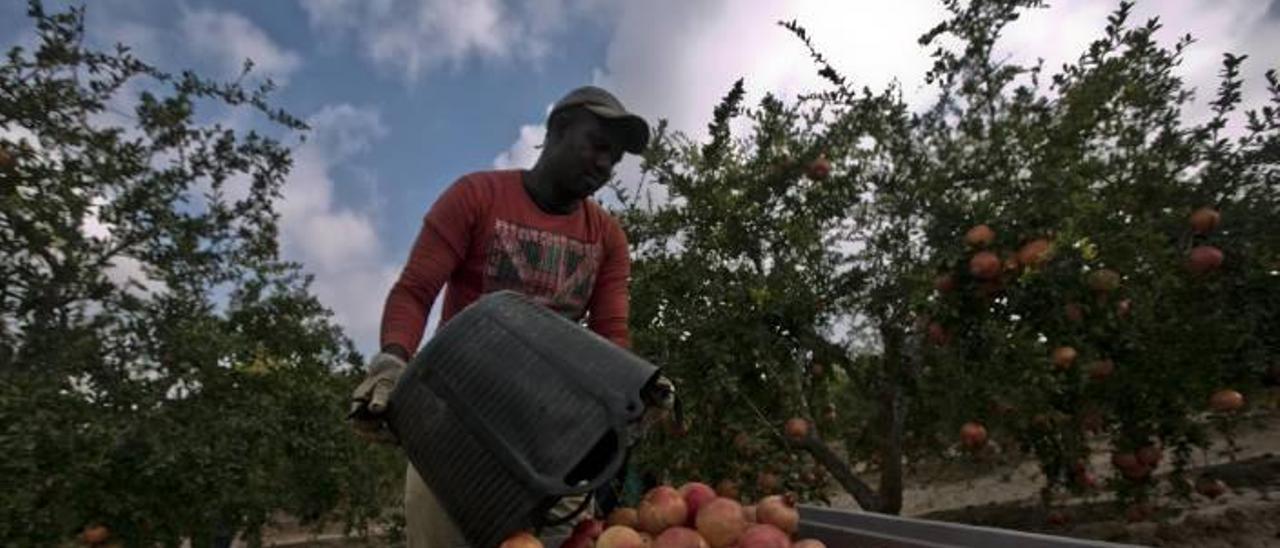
x,y
406,95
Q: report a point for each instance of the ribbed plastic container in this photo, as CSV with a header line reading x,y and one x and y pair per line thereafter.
x,y
510,407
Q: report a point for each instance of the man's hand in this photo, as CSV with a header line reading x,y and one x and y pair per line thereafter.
x,y
369,401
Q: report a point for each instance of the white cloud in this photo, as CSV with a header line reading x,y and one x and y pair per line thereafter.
x,y
413,37
340,246
229,38
524,152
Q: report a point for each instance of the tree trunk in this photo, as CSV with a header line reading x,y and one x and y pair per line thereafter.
x,y
891,423
865,496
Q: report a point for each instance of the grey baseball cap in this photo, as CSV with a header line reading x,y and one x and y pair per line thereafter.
x,y
634,130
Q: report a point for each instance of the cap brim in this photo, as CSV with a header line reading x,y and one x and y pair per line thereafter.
x,y
634,130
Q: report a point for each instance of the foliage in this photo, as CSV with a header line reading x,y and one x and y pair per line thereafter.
x,y
162,370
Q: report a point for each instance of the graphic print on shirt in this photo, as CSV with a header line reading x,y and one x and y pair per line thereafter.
x,y
556,271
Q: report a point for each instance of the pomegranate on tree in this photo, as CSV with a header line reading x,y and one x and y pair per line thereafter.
x,y
980,236
1226,401
1035,252
1074,312
95,534
820,168
973,435
984,265
944,283
797,429
1064,356
1209,487
1204,259
1204,220
1101,369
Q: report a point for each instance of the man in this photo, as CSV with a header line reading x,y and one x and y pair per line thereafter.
x,y
534,231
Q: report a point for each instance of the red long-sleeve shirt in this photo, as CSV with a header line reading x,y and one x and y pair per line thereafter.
x,y
486,234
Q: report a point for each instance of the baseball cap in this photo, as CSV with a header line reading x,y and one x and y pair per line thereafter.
x,y
635,131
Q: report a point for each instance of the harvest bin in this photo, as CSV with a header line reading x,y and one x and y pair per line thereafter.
x,y
510,407
854,529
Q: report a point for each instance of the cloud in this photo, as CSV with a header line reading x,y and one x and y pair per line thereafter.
x,y
338,245
524,152
413,37
228,39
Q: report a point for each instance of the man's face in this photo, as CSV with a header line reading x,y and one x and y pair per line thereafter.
x,y
584,155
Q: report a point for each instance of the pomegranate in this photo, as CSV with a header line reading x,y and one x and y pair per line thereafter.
x,y
1204,259
984,265
661,508
695,495
95,534
1204,220
1209,487
1035,253
1125,461
973,435
623,516
980,236
808,543
1057,518
722,522
523,539
820,168
1123,308
578,541
1101,369
944,283
620,536
1226,401
780,512
1074,312
796,428
1064,356
767,482
1149,455
1104,280
938,335
727,488
680,537
764,536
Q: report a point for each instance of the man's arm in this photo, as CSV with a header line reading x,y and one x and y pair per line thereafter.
x,y
610,306
440,247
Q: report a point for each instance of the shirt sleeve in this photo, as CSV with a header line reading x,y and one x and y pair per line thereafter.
x,y
610,306
438,250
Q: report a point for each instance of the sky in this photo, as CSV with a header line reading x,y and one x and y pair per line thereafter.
x,y
405,96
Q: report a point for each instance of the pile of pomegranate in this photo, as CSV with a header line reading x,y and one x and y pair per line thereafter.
x,y
693,516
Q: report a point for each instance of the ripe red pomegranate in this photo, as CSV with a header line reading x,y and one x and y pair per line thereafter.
x,y
820,168
1204,259
764,536
767,482
1226,401
796,429
95,534
620,536
696,495
1149,455
1074,312
623,516
1101,369
523,539
973,435
944,283
1064,356
680,537
1204,220
661,508
1125,461
749,513
1035,252
980,236
722,522
808,543
938,335
727,488
984,265
1209,487
779,511
1104,280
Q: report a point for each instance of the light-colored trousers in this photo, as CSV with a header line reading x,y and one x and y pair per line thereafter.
x,y
427,525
